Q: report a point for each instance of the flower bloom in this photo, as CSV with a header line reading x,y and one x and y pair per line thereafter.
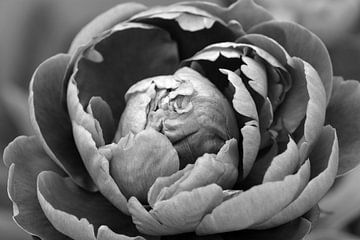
x,y
185,121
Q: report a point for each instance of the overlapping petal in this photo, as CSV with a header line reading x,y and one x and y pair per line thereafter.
x,y
26,158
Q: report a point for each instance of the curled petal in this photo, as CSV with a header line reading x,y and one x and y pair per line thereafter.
x,y
254,205
50,119
105,233
179,214
98,167
104,22
325,151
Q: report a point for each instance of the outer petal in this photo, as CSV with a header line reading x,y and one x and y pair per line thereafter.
x,y
76,212
254,205
246,12
105,233
26,159
343,113
300,42
105,21
50,118
326,148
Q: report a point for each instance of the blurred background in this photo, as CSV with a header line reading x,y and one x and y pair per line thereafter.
x,y
33,30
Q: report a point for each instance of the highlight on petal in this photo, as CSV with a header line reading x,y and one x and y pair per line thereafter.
x,y
130,52
26,158
50,118
179,214
78,213
342,113
246,12
81,117
98,166
324,164
300,42
138,160
254,205
104,22
105,233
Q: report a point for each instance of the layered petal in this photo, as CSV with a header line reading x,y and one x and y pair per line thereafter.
x,y
300,42
342,113
50,118
324,164
26,159
254,205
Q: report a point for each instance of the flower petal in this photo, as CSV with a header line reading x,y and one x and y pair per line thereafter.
x,y
325,149
130,52
246,12
102,113
105,233
50,120
300,42
138,160
78,213
26,158
98,166
179,214
105,21
192,28
254,205
342,113
283,164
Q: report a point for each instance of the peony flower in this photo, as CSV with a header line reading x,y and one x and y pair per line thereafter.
x,y
185,121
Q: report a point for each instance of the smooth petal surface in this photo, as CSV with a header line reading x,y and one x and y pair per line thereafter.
x,y
326,150
179,214
138,160
78,213
300,42
26,158
130,52
254,205
50,118
246,12
342,113
104,22
99,167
